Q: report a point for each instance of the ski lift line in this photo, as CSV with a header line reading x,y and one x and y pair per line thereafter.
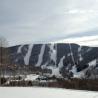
x,y
72,54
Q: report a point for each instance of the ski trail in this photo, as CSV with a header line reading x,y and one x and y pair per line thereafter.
x,y
40,58
27,57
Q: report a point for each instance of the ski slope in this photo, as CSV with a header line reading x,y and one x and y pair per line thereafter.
x,y
35,92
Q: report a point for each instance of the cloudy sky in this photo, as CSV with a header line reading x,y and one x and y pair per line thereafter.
x,y
36,21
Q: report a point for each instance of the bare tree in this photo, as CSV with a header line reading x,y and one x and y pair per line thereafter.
x,y
3,57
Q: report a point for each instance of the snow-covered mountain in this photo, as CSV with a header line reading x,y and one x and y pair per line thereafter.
x,y
62,60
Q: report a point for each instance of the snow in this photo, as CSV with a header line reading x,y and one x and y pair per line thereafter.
x,y
27,57
79,53
75,73
60,65
80,57
79,49
35,92
44,66
53,53
80,74
93,63
41,55
89,49
69,54
55,71
31,77
19,49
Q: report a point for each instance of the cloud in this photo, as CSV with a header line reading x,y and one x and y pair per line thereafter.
x,y
87,40
23,21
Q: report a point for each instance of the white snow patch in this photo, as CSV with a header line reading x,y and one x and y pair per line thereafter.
x,y
80,57
19,49
60,65
44,66
80,74
79,53
53,53
79,49
31,77
55,71
35,92
74,71
40,58
27,57
89,49
93,63
69,54
76,74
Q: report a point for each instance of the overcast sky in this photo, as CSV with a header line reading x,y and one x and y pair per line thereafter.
x,y
30,21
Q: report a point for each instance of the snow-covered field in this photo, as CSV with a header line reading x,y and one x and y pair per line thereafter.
x,y
35,92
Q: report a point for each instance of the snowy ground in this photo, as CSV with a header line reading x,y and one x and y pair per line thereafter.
x,y
35,92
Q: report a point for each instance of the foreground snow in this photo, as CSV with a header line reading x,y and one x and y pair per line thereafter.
x,y
34,92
